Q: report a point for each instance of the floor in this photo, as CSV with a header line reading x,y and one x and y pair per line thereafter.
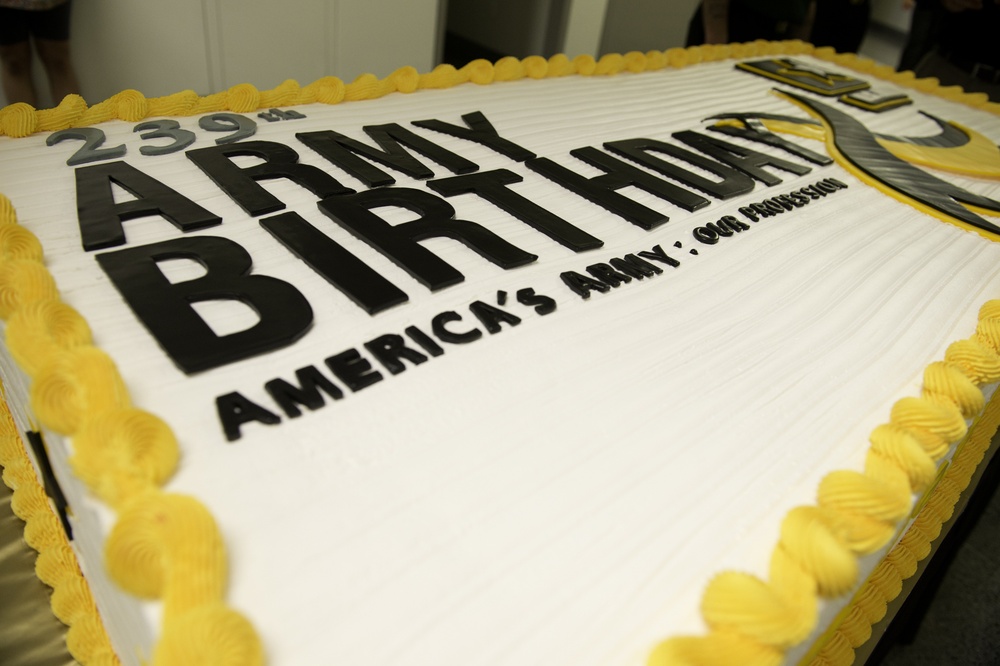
x,y
953,615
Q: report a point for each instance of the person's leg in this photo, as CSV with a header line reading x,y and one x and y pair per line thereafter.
x,y
15,57
924,28
50,30
58,67
15,73
696,28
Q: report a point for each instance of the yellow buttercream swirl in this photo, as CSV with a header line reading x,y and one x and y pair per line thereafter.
x,y
24,281
480,72
585,65
979,362
328,90
368,86
18,243
536,67
508,69
406,79
213,635
178,104
812,539
131,105
906,452
655,61
948,383
120,453
926,418
443,76
18,119
739,603
63,115
635,62
610,63
856,627
80,384
286,94
54,564
41,329
167,546
244,98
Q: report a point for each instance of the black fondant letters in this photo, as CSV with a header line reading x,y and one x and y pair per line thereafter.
x,y
425,341
399,242
747,160
445,335
733,182
633,266
165,308
308,393
390,350
235,409
492,317
602,190
479,130
543,304
280,161
343,151
353,369
492,186
100,218
608,275
356,279
583,285
657,254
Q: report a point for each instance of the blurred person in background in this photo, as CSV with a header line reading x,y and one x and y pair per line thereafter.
x,y
958,42
841,24
46,24
725,21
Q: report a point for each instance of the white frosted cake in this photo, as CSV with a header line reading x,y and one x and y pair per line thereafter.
x,y
500,374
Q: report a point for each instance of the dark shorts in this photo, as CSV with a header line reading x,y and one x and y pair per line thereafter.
x,y
17,24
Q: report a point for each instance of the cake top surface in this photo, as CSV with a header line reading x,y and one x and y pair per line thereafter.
x,y
540,446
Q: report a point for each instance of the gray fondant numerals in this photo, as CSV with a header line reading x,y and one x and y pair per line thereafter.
x,y
164,129
91,151
240,126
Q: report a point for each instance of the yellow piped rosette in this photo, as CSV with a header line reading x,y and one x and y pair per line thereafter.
x,y
168,547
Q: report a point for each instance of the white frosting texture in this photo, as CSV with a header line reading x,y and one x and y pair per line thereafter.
x,y
561,491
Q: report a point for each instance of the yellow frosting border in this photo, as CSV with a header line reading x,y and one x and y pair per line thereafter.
x,y
20,120
853,627
125,455
753,621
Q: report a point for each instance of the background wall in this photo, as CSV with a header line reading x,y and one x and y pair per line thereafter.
x,y
513,27
645,25
210,45
544,27
641,25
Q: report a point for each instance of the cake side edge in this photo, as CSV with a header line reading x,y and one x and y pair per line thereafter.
x,y
56,564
